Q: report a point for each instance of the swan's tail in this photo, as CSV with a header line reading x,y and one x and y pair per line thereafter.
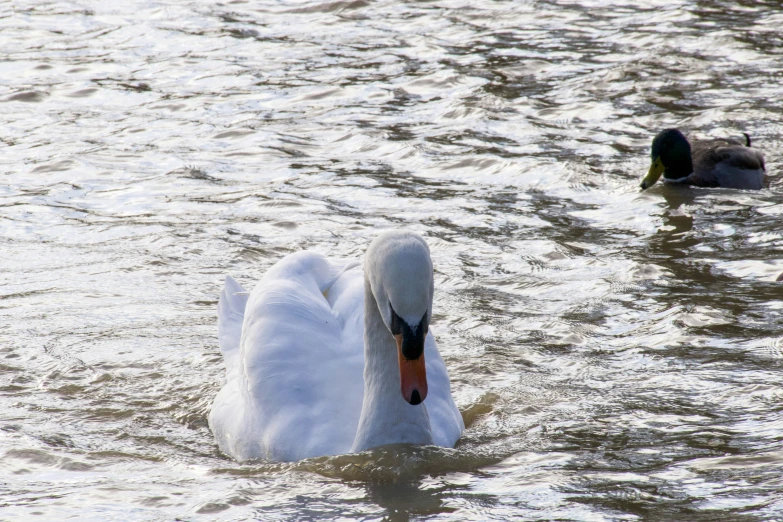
x,y
231,313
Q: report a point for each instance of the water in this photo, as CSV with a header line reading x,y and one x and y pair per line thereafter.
x,y
617,355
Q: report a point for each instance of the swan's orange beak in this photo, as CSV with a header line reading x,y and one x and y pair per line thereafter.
x,y
413,375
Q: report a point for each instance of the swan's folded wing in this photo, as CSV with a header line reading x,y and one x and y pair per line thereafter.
x,y
305,389
298,389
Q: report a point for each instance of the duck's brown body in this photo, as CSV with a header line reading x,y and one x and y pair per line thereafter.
x,y
726,163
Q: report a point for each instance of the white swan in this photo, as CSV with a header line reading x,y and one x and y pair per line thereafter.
x,y
296,347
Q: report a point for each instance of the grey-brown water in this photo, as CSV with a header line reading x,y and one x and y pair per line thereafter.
x,y
616,354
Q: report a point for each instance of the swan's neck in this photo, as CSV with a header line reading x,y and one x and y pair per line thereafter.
x,y
386,417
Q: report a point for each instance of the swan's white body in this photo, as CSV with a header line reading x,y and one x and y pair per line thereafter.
x,y
312,367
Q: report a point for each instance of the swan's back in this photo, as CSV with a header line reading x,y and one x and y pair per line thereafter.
x,y
293,363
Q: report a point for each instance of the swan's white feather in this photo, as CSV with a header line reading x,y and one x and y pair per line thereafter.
x,y
295,361
231,311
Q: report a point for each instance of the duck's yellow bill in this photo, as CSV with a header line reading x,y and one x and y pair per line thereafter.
x,y
656,169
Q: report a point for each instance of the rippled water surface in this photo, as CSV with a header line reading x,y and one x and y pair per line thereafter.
x,y
616,354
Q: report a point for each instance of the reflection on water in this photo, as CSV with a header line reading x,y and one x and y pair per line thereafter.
x,y
615,354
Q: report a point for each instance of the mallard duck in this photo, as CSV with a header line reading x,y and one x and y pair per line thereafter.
x,y
324,358
713,163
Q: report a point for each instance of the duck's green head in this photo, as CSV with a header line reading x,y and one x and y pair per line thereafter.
x,y
670,155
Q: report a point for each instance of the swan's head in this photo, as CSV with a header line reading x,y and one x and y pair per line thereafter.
x,y
399,270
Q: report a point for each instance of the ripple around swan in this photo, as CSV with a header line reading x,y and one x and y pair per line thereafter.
x,y
615,354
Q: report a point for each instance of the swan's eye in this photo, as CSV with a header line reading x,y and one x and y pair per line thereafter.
x,y
396,322
425,324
